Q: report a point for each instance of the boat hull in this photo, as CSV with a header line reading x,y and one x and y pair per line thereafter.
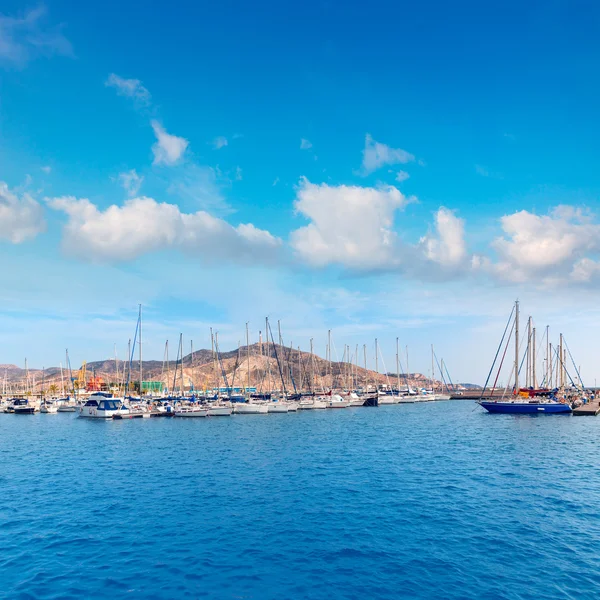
x,y
191,413
247,408
220,411
526,408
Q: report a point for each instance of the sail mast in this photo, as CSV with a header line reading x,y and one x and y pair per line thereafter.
x,y
533,375
140,317
397,366
517,347
248,355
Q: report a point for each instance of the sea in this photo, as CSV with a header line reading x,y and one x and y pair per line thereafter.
x,y
432,500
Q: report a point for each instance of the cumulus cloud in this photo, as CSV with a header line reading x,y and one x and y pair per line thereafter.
x,y
447,247
143,225
168,148
349,225
305,144
377,155
132,88
402,176
20,218
536,247
131,182
26,37
219,142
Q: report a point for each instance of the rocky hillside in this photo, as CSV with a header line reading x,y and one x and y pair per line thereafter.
x,y
256,364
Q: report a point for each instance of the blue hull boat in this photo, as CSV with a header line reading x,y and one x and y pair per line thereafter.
x,y
526,408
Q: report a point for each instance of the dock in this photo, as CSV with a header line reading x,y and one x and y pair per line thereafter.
x,y
589,409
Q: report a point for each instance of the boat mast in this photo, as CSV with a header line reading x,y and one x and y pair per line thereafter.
x,y
407,371
397,367
550,362
534,382
329,358
248,355
432,370
366,372
193,366
141,351
517,348
212,349
548,368
312,366
562,368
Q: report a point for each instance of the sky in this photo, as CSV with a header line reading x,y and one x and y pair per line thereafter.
x,y
390,170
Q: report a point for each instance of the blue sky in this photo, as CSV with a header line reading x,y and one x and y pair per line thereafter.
x,y
386,170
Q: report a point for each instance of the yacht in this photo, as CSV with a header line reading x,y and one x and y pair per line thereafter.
x,y
67,405
277,406
336,401
220,409
22,406
250,408
102,405
48,406
191,411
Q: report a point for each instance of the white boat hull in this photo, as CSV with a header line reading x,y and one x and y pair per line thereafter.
x,y
248,408
220,411
191,412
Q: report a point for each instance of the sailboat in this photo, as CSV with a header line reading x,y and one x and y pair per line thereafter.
x,y
525,401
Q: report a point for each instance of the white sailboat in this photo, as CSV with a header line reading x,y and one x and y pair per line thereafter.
x,y
191,411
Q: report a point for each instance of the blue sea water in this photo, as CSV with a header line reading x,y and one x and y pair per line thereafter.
x,y
436,500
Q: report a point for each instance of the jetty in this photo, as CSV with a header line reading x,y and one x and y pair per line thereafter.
x,y
589,409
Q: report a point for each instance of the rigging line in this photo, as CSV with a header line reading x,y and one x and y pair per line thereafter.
x,y
503,357
573,361
497,352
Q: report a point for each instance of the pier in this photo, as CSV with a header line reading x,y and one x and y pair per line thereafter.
x,y
589,409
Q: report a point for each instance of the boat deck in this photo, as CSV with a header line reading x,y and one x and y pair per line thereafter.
x,y
589,409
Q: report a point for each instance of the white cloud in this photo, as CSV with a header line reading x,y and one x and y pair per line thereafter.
x,y
275,181
402,176
20,218
544,247
143,225
169,148
131,182
46,169
132,88
305,144
447,247
238,174
376,155
219,142
24,38
350,225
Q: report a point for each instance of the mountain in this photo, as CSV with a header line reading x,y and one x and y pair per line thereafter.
x,y
256,364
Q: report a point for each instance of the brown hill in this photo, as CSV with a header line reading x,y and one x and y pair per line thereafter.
x,y
255,365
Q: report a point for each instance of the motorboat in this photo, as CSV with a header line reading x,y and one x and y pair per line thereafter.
x,y
102,405
22,406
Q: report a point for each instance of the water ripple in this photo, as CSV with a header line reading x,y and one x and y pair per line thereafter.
x,y
418,501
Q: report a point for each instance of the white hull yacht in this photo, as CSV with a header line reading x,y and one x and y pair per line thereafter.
x,y
102,406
